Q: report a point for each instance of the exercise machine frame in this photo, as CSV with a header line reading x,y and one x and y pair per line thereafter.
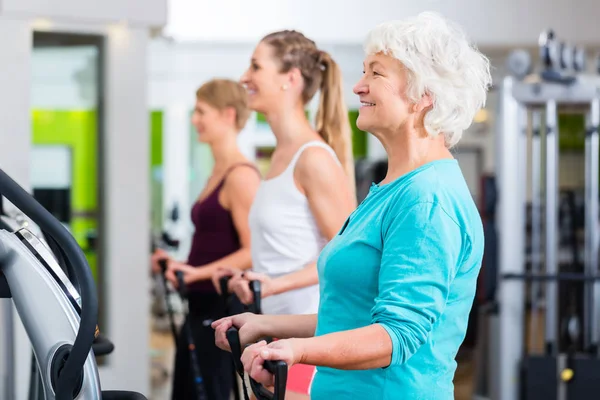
x,y
516,98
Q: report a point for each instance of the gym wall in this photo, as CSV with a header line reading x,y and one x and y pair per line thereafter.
x,y
126,192
489,23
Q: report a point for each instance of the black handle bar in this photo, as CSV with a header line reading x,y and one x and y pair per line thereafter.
x,y
121,395
278,368
256,291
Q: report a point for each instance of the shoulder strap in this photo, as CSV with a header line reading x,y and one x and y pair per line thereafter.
x,y
314,143
234,166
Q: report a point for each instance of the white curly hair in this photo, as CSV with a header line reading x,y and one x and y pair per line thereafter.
x,y
441,61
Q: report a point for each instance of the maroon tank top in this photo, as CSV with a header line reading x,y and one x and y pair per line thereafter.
x,y
215,235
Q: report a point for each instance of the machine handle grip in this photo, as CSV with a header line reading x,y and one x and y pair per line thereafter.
x,y
223,284
181,283
233,338
255,287
278,368
102,346
163,264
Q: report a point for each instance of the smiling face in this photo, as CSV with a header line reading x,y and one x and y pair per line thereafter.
x,y
382,92
212,124
267,87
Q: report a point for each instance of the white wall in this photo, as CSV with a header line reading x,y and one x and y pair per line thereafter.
x,y
490,22
136,12
15,38
64,78
127,197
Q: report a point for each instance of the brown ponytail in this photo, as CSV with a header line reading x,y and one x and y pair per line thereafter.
x,y
294,50
332,117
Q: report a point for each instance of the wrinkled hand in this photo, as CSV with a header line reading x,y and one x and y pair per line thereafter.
x,y
249,328
240,285
222,272
156,256
255,355
188,272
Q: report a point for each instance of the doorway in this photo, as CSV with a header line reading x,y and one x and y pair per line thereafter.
x,y
67,117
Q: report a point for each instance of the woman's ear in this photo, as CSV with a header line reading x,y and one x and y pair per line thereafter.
x,y
229,114
425,103
294,77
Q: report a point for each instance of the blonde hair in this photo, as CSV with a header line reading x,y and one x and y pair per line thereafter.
x,y
224,93
319,71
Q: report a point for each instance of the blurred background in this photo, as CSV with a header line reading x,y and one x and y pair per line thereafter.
x,y
95,105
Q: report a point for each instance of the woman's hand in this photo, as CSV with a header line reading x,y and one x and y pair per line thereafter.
x,y
268,285
223,272
189,272
154,260
250,329
254,357
240,285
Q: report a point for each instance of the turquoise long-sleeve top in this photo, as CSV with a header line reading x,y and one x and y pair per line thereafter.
x,y
407,259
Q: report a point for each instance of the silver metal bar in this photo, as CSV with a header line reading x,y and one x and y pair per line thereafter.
x,y
536,223
561,364
551,208
592,293
584,91
510,218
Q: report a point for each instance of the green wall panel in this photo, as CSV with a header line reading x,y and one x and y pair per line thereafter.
x,y
75,129
156,138
571,131
156,169
359,138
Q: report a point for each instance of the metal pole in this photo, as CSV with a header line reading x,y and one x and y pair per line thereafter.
x,y
591,292
551,226
510,219
536,223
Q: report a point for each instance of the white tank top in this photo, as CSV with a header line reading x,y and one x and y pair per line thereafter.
x,y
285,237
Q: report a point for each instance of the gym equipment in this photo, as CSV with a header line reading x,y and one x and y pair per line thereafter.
x,y
195,365
519,63
366,172
170,312
227,306
554,60
101,346
59,320
255,307
7,383
278,368
579,59
564,369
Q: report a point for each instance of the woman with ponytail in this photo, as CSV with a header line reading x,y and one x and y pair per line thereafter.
x,y
308,191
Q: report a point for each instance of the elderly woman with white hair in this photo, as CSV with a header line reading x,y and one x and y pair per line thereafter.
x,y
397,283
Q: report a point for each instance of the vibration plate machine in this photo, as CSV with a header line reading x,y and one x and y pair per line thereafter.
x,y
60,321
